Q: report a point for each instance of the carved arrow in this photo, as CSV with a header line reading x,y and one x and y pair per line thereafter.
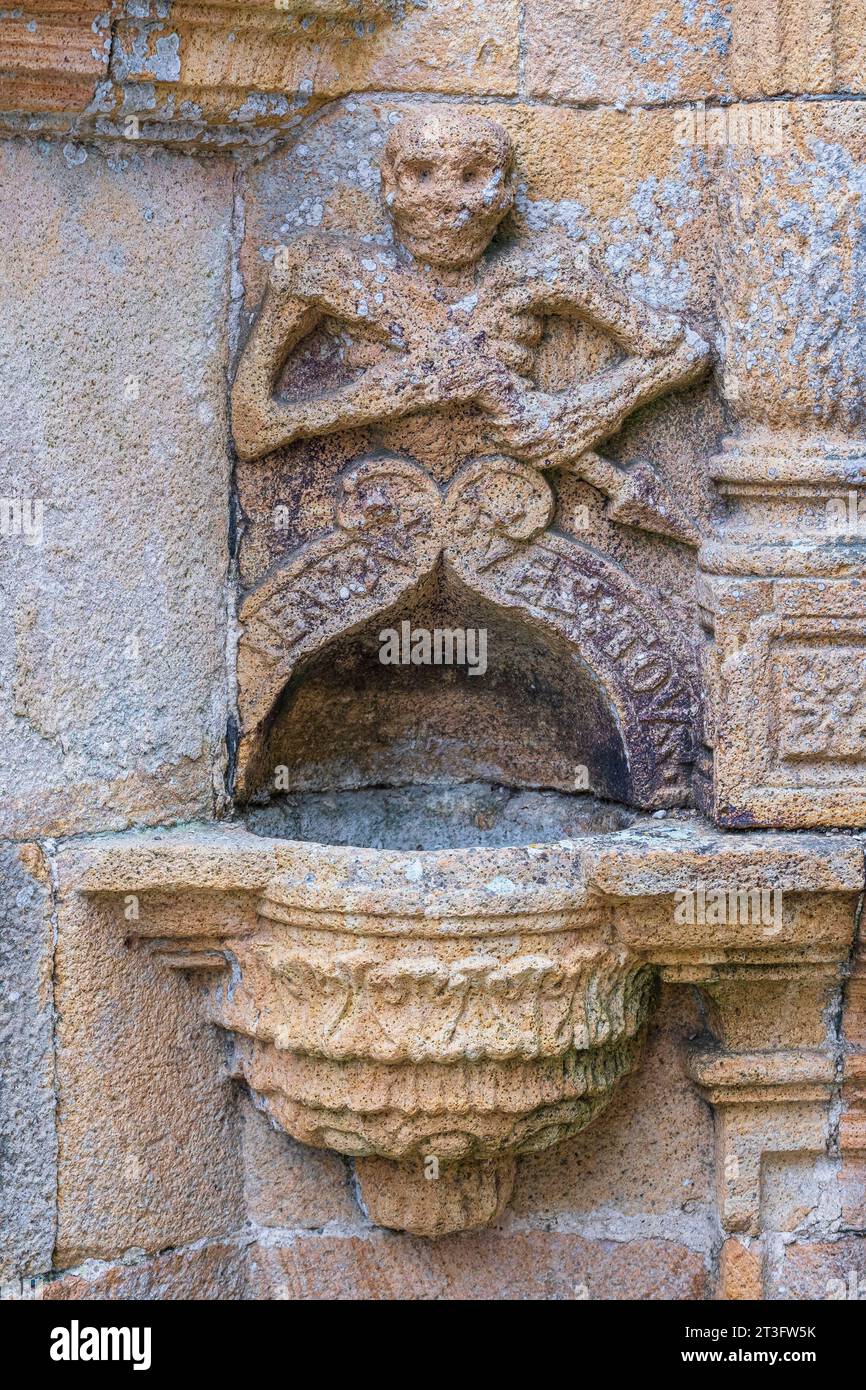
x,y
637,496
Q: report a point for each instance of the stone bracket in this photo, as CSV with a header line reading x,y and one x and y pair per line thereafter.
x,y
372,1008
765,1102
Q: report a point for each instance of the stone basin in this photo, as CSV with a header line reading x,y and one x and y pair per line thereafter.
x,y
435,1012
441,1008
468,815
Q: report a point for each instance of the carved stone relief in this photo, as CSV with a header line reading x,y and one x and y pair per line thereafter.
x,y
418,1008
475,319
442,321
401,1025
446,324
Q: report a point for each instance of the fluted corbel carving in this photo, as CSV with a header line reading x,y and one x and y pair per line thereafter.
x,y
435,1015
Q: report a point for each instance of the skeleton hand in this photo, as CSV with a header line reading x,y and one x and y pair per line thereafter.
x,y
466,375
551,430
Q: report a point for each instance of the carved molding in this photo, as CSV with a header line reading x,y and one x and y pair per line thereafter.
x,y
228,69
53,54
248,64
242,62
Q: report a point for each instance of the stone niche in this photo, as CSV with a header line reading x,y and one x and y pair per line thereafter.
x,y
546,641
585,682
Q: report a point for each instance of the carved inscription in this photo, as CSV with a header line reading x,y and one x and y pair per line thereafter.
x,y
393,527
632,651
385,538
321,591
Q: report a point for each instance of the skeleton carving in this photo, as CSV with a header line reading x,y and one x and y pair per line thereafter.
x,y
449,321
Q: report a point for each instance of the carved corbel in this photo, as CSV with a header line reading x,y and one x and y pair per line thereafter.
x,y
431,1016
435,1015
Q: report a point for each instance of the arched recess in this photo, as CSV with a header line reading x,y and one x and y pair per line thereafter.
x,y
394,531
536,718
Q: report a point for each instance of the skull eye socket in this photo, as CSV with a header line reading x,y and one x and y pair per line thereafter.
x,y
478,172
420,171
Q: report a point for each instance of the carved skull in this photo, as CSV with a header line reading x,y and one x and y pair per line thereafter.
x,y
446,182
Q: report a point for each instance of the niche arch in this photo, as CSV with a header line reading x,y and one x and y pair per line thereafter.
x,y
486,535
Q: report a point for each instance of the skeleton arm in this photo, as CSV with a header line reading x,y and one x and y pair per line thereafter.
x,y
598,409
553,428
574,285
262,423
259,422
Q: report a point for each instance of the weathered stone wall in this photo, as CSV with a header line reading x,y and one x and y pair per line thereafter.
x,y
152,173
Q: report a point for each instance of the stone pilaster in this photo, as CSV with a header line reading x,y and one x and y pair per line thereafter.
x,y
783,575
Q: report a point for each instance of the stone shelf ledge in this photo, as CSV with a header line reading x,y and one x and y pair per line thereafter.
x,y
656,858
462,1007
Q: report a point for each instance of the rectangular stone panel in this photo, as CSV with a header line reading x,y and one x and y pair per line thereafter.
x,y
149,1142
52,54
786,675
819,689
114,486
